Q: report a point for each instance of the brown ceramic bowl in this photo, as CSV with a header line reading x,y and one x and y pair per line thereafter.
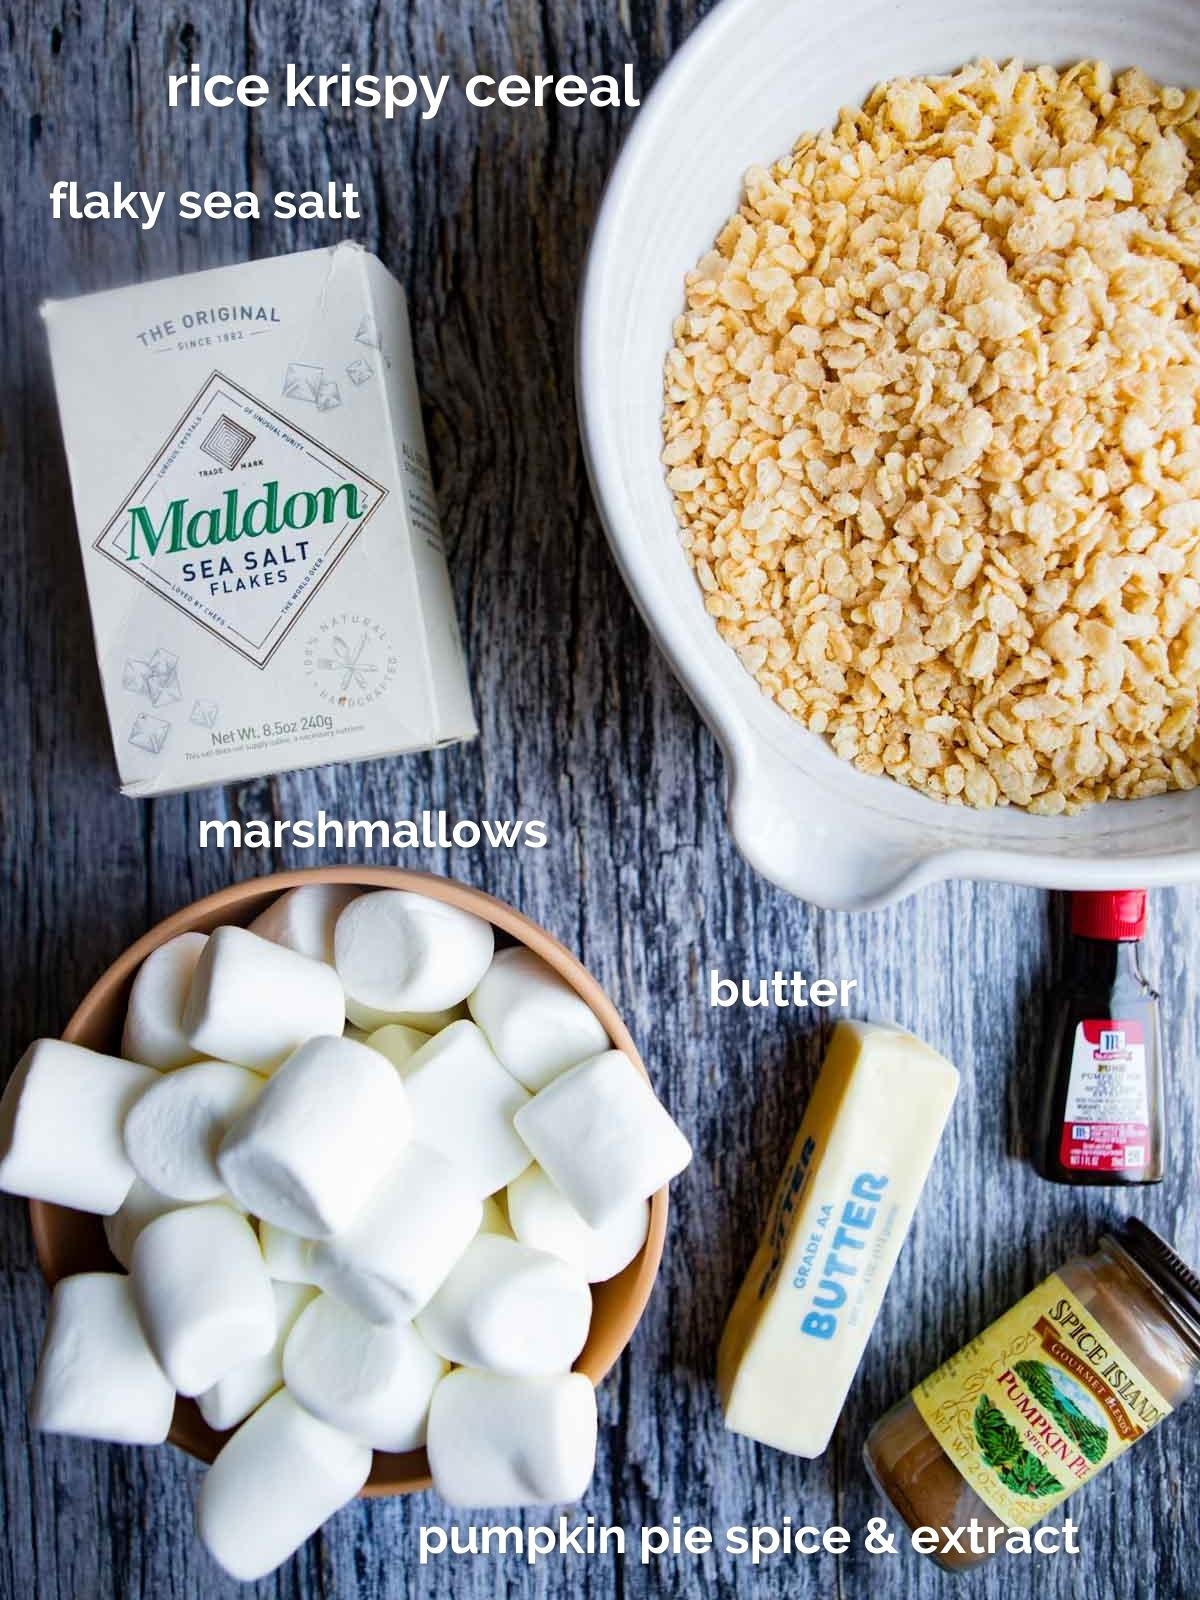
x,y
73,1241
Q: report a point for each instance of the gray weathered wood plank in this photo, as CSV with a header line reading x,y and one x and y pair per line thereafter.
x,y
485,220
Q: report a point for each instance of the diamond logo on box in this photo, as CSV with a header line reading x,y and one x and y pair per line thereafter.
x,y
228,442
240,518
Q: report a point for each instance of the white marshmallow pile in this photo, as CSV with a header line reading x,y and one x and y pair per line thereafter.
x,y
361,1170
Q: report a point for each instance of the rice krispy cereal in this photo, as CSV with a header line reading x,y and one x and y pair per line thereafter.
x,y
932,430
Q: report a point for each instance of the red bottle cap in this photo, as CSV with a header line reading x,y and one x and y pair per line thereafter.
x,y
1109,913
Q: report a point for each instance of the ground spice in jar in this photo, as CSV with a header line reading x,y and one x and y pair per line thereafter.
x,y
1040,1402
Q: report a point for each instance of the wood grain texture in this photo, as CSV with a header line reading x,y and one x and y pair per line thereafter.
x,y
484,218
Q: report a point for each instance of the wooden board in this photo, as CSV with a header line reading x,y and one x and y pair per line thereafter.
x,y
485,220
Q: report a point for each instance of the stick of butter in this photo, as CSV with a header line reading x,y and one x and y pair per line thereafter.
x,y
803,1316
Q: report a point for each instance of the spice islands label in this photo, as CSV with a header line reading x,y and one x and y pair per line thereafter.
x,y
1037,1405
239,519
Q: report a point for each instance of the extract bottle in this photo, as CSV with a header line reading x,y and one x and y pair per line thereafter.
x,y
1100,1116
1039,1403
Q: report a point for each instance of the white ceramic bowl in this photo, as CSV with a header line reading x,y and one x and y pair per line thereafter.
x,y
753,77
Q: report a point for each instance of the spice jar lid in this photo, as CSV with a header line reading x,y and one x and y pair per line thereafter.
x,y
1109,913
1166,1269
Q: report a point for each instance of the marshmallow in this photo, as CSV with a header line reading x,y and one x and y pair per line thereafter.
x,y
203,1294
463,1104
140,1206
241,1391
174,1130
495,1216
401,952
286,1254
370,1020
509,1309
154,1020
372,1382
253,1002
397,1042
359,1035
534,1021
273,1484
512,1441
399,1248
602,1136
539,1215
97,1377
432,1021
60,1126
303,919
319,1138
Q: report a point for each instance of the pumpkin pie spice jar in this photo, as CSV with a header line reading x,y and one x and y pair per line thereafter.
x,y
1044,1399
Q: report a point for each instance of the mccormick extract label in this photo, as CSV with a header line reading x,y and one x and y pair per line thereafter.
x,y
1037,1405
1106,1121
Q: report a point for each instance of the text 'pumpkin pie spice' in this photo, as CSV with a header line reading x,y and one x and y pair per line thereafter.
x,y
931,429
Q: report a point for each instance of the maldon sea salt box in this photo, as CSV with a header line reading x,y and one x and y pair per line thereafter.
x,y
260,539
